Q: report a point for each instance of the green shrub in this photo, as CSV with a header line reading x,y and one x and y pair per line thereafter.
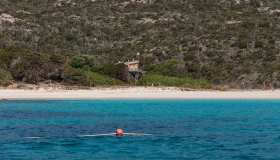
x,y
78,62
5,77
171,67
160,80
74,76
87,77
5,58
82,61
111,70
97,79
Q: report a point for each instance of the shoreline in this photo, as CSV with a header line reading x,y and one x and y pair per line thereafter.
x,y
134,93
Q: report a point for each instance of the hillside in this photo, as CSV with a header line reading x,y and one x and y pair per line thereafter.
x,y
220,42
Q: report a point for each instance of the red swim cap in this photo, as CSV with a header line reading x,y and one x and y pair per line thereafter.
x,y
119,132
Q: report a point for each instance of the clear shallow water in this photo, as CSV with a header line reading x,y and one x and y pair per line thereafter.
x,y
182,129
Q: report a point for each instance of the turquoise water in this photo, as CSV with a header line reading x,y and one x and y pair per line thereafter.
x,y
181,129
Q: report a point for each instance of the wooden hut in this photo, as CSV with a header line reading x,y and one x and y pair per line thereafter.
x,y
131,71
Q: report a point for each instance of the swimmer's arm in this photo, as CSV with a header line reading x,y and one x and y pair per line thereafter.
x,y
97,135
137,134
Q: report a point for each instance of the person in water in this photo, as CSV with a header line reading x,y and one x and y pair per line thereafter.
x,y
119,132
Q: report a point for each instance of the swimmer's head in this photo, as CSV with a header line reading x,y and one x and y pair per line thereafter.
x,y
119,132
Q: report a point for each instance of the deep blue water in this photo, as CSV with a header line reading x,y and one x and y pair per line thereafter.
x,y
182,129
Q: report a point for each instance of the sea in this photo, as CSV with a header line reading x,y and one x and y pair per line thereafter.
x,y
166,130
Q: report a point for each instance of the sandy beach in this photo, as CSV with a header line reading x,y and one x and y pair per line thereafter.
x,y
134,93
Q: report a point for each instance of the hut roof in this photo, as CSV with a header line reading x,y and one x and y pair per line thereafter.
x,y
131,62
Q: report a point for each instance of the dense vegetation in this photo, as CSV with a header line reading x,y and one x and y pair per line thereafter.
x,y
191,43
160,80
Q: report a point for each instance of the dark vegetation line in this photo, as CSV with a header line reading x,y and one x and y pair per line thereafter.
x,y
185,43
